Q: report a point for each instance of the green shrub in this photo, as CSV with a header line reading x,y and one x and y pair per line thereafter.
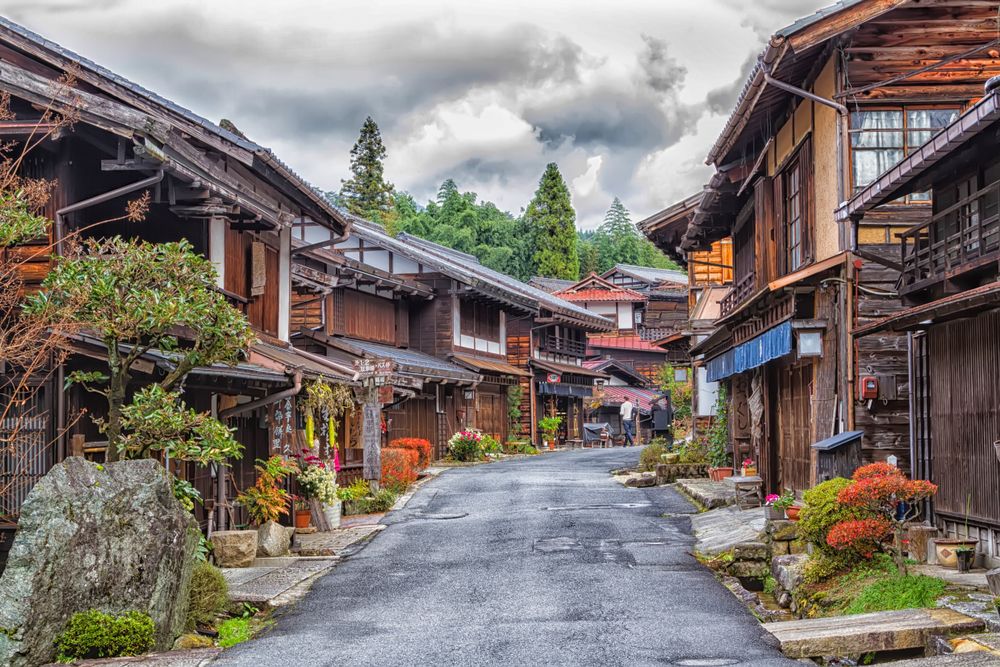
x,y
94,634
822,511
356,491
693,451
209,595
235,631
898,592
380,502
490,445
651,455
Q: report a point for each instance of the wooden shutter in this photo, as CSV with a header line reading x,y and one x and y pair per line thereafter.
x,y
780,260
764,231
402,323
807,202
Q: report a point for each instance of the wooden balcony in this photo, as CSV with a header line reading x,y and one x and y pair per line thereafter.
x,y
957,242
740,291
562,345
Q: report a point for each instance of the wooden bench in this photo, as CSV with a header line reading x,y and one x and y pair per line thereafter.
x,y
749,491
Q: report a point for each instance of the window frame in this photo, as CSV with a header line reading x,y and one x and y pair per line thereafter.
x,y
903,130
795,244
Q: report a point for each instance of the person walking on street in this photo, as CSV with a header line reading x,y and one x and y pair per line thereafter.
x,y
628,424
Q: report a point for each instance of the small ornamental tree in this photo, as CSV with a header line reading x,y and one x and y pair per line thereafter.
x,y
136,297
891,498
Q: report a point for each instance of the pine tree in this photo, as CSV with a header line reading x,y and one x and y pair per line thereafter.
x,y
367,193
552,223
617,240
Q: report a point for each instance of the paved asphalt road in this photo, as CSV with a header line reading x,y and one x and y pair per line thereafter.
x,y
541,561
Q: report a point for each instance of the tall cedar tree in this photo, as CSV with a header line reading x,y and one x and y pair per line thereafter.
x,y
552,223
367,194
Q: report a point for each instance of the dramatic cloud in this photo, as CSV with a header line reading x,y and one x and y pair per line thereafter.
x,y
626,102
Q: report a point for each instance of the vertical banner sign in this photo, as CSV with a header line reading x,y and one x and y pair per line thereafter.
x,y
371,436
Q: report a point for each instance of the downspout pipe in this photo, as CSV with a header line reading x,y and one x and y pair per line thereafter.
x,y
795,90
264,400
99,199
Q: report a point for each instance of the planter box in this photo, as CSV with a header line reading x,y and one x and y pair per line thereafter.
x,y
667,473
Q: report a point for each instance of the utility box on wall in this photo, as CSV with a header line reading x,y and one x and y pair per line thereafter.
x,y
838,456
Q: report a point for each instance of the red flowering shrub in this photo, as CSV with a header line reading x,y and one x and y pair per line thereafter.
x,y
399,468
419,445
864,536
884,490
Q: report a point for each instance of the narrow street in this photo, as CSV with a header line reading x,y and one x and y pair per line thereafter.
x,y
539,561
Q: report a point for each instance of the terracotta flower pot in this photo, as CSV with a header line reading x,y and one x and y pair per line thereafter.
x,y
792,512
724,473
947,552
302,518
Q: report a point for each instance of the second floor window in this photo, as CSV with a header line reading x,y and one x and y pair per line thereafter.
x,y
793,214
882,137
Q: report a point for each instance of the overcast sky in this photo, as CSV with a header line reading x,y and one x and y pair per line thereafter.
x,y
626,96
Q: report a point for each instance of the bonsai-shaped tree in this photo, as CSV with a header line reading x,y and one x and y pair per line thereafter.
x,y
136,297
893,499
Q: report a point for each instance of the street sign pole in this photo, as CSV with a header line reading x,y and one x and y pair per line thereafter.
x,y
372,374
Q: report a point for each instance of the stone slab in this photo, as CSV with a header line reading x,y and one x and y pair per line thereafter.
x,y
864,633
273,582
973,579
334,542
722,529
951,660
195,658
707,493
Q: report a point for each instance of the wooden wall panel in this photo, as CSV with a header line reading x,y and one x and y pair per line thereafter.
x,y
964,357
263,310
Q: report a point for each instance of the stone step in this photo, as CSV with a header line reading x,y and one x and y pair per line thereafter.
x,y
865,633
951,660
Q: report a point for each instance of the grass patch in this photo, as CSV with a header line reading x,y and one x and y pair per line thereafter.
x,y
235,631
898,592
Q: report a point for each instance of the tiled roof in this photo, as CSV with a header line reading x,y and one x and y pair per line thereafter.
x,y
264,153
643,399
651,275
623,343
618,368
550,285
484,365
601,295
410,361
468,270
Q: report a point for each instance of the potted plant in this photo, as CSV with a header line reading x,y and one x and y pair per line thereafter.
x,y
549,426
317,482
466,445
778,506
303,514
749,467
718,439
948,549
965,556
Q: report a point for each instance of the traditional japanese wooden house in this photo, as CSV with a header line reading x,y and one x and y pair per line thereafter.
x,y
834,99
622,383
232,199
950,287
468,324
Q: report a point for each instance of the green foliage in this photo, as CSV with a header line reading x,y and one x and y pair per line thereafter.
x,y
158,421
186,494
367,193
770,585
617,241
680,392
235,631
898,592
651,455
692,451
356,491
515,394
822,511
491,445
549,426
466,446
519,447
94,634
209,595
718,432
135,296
267,500
822,565
382,501
551,223
18,222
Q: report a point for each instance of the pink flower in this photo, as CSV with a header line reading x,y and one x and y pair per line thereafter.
x,y
771,499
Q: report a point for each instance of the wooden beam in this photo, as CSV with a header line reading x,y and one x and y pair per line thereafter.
x,y
840,22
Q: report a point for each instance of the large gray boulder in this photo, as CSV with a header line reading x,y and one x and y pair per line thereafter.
x,y
109,537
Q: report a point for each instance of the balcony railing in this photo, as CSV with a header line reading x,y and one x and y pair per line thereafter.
x,y
559,345
961,238
740,291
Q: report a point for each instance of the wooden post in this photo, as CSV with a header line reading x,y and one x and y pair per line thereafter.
x,y
371,437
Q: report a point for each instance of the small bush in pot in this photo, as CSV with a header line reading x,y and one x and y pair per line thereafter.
x,y
549,426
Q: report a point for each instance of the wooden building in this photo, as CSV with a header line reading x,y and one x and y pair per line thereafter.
x,y
233,200
950,286
834,99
